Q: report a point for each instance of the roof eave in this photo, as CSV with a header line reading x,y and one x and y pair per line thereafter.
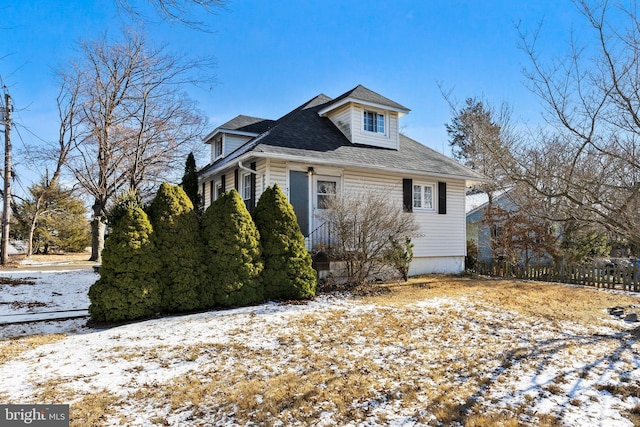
x,y
320,161
216,131
401,111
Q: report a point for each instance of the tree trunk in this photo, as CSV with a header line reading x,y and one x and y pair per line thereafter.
x,y
32,229
98,228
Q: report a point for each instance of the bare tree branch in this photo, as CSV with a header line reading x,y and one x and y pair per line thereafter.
x,y
134,122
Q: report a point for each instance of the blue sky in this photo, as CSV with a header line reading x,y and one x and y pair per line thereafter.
x,y
274,55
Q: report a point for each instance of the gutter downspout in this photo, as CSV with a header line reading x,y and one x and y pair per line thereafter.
x,y
246,169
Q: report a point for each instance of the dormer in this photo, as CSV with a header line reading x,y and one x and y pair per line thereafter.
x,y
366,117
233,134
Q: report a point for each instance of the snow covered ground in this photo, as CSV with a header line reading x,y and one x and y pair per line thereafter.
x,y
458,359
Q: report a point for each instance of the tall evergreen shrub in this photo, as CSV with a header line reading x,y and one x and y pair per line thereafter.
x,y
233,253
179,247
128,286
190,184
287,273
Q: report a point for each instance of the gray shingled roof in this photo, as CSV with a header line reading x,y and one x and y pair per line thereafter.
x,y
361,93
303,134
248,124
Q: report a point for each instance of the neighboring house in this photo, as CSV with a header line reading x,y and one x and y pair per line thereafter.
x,y
501,223
478,231
351,143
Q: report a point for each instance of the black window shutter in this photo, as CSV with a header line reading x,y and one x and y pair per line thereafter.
x,y
252,202
235,178
223,183
407,195
211,191
442,198
203,190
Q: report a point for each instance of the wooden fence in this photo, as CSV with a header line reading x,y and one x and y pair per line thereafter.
x,y
624,278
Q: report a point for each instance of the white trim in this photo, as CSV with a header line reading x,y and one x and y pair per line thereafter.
x,y
242,187
431,264
217,185
222,144
214,132
332,163
386,123
331,107
434,198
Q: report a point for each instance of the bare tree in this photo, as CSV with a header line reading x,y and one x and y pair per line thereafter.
x,y
136,122
182,11
58,153
369,230
588,166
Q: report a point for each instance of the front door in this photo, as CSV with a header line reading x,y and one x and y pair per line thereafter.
x,y
325,189
299,198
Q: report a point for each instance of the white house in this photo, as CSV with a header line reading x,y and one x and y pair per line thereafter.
x,y
351,143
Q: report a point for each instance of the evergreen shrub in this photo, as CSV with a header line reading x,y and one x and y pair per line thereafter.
x,y
127,288
233,255
288,271
179,248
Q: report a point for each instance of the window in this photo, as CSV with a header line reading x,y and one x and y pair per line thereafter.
x,y
246,186
218,148
373,122
218,190
423,196
326,191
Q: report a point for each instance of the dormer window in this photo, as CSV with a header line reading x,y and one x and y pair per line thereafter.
x,y
218,148
373,122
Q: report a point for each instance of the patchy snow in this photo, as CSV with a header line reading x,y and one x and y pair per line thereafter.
x,y
566,370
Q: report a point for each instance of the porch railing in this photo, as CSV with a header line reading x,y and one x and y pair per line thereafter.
x,y
320,239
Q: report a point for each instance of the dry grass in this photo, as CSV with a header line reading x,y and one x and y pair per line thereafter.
x,y
547,300
436,351
81,258
93,409
14,347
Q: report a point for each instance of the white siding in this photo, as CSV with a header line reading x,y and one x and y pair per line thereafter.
x,y
278,174
441,243
233,142
261,184
205,195
443,235
440,235
360,136
349,119
430,265
342,118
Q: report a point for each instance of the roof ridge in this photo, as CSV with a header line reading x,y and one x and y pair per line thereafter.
x,y
362,93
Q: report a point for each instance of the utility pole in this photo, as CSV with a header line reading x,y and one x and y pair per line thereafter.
x,y
6,211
